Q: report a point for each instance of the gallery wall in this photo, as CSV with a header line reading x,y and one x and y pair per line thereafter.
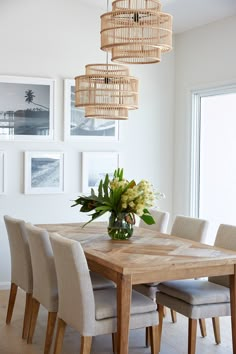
x,y
56,39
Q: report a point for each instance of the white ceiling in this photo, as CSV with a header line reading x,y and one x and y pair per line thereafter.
x,y
187,14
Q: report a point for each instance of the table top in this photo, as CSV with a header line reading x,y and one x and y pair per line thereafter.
x,y
148,255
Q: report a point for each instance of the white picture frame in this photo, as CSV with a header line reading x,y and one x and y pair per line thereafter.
x,y
44,172
95,165
26,108
77,127
2,173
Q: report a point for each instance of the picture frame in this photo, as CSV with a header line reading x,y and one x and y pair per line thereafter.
x,y
2,173
44,172
78,127
26,108
95,165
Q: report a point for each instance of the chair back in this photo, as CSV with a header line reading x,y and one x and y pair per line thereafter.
x,y
44,273
161,221
190,228
21,268
75,292
225,238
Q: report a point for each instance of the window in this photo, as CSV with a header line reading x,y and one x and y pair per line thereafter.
x,y
213,158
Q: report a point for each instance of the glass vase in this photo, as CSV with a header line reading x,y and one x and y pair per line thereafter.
x,y
120,226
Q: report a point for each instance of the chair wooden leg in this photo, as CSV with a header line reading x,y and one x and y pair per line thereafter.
x,y
173,316
147,337
33,320
85,346
202,324
11,302
216,328
192,335
52,316
27,315
161,315
154,339
61,326
114,342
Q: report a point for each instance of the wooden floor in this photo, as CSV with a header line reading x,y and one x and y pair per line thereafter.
x,y
174,336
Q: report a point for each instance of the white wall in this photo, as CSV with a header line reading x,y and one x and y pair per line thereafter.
x,y
56,39
205,57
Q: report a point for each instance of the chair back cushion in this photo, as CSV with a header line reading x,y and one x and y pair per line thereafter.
x,y
21,268
225,238
161,221
76,298
190,228
44,273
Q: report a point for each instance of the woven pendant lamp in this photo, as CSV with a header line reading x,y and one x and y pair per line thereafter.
x,y
136,31
106,91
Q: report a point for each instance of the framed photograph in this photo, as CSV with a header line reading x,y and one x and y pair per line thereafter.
x,y
95,165
44,172
2,172
26,108
77,127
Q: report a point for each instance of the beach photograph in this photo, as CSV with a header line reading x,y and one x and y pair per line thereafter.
x,y
24,109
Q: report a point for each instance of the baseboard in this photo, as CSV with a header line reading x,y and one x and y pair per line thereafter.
x,y
5,285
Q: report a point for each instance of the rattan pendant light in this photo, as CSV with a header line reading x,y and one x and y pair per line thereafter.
x,y
106,91
136,31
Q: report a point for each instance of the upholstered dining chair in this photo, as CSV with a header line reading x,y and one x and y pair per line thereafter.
x,y
21,268
161,221
192,229
45,291
198,299
90,312
185,227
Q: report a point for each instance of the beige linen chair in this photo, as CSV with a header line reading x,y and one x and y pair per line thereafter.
x,y
197,299
161,221
185,227
21,269
45,291
193,229
91,312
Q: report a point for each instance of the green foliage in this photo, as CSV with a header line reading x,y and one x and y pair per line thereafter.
x,y
109,199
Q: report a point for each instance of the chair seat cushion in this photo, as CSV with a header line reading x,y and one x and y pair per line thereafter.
x,y
105,303
99,282
146,290
195,292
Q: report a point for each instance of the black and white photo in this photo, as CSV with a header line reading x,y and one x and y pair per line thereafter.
x,y
95,166
44,172
77,126
26,108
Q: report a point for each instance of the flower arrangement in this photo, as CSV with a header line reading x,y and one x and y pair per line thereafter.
x,y
122,198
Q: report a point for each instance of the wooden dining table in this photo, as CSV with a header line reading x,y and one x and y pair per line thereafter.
x,y
148,256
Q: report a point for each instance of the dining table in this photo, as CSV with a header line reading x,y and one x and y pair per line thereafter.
x,y
148,256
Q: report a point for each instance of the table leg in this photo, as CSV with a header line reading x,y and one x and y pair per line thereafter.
x,y
233,307
124,289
